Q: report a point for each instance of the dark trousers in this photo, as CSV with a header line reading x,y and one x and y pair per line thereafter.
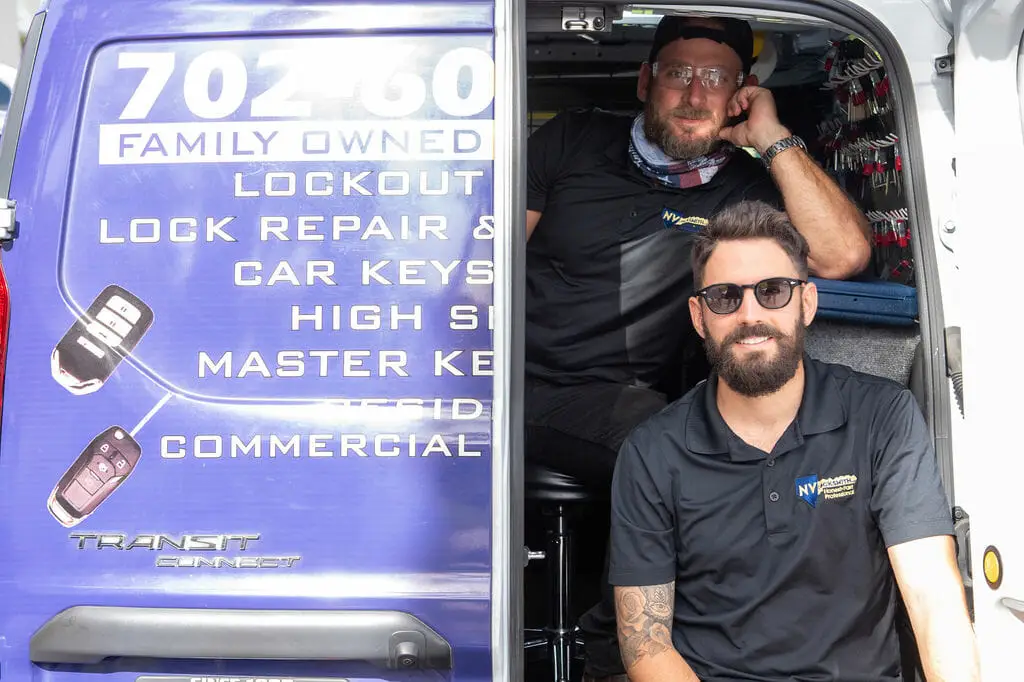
x,y
578,430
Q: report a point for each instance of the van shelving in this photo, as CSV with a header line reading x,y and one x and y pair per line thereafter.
x,y
860,148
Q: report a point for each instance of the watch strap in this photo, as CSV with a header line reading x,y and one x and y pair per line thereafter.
x,y
780,146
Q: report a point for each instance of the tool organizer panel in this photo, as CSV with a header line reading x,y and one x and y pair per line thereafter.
x,y
861,150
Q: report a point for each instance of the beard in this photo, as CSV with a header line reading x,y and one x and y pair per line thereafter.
x,y
658,131
757,374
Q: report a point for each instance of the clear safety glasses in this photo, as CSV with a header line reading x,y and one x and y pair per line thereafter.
x,y
679,76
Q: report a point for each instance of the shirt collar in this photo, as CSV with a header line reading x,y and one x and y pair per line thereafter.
x,y
821,410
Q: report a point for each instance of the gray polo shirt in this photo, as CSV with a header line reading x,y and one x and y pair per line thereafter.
x,y
779,559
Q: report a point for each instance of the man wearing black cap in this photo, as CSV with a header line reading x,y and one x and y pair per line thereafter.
x,y
613,205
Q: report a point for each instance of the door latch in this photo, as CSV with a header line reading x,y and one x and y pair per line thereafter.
x,y
962,536
579,18
6,220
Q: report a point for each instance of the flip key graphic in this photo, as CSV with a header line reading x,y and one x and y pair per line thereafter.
x,y
106,463
98,341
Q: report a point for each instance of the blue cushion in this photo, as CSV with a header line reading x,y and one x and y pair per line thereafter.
x,y
877,301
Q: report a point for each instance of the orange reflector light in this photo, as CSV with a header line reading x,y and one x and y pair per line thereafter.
x,y
993,565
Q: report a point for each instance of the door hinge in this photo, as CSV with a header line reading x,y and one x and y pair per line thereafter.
x,y
962,535
584,18
944,64
6,220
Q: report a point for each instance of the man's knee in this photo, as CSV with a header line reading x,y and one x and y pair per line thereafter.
x,y
632,408
579,430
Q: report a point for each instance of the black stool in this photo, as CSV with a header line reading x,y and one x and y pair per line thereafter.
x,y
559,641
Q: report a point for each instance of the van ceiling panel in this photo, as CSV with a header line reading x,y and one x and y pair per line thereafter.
x,y
626,32
761,19
619,53
564,16
548,15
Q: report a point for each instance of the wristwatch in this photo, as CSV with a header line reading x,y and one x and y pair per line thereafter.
x,y
781,145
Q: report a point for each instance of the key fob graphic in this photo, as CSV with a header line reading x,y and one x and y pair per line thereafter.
x,y
103,466
98,341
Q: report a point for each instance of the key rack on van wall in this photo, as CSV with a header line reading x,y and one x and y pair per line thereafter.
x,y
859,148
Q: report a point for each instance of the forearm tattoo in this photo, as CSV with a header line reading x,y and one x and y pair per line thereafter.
x,y
644,617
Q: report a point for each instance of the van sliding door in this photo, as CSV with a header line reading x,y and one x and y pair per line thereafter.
x,y
988,78
257,421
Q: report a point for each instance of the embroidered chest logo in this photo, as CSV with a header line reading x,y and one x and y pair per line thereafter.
x,y
677,221
811,490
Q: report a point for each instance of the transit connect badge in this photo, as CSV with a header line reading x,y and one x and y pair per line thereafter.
x,y
233,678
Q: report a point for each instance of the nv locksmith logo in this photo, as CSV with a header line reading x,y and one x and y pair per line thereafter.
x,y
812,490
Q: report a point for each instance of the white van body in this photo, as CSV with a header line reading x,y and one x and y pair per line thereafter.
x,y
984,242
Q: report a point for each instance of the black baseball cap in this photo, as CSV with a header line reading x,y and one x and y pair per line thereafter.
x,y
736,33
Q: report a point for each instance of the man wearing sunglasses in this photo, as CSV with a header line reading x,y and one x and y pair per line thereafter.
x,y
763,523
613,205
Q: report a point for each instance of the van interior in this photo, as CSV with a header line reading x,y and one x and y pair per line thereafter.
x,y
837,85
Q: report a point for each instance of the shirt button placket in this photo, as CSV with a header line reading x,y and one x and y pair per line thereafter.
x,y
774,514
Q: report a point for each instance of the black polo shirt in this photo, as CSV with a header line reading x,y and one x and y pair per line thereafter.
x,y
779,559
608,267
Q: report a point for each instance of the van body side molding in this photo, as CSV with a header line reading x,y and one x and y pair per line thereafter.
x,y
90,634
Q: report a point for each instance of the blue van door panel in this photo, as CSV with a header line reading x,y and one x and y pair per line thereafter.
x,y
249,386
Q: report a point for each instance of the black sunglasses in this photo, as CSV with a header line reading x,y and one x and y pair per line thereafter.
x,y
772,293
